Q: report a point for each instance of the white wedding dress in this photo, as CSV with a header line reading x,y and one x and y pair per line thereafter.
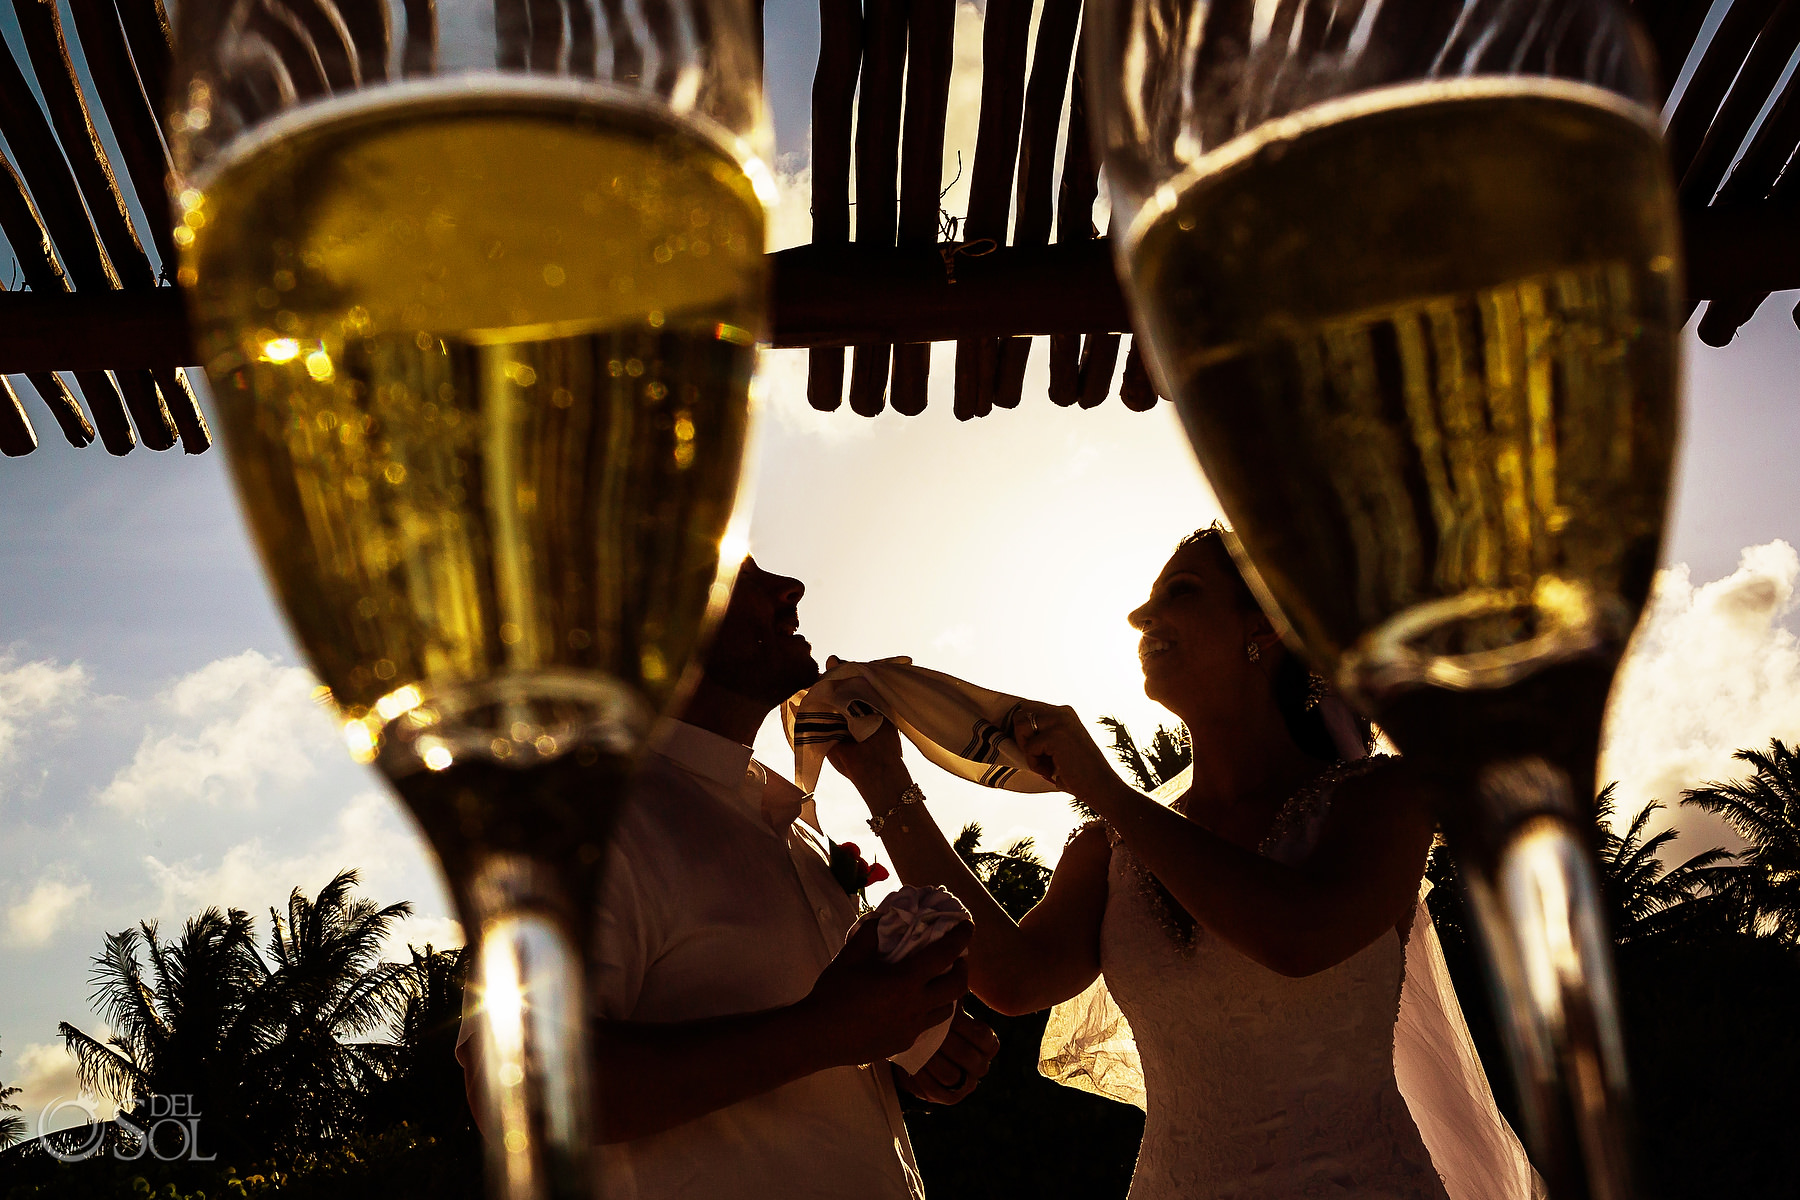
x,y
1258,1086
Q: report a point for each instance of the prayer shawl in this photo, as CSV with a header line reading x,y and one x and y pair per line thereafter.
x,y
963,729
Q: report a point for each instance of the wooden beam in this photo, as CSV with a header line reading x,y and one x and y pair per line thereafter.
x,y
839,298
842,295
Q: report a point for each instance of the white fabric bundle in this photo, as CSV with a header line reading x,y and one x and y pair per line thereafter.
x,y
963,729
906,921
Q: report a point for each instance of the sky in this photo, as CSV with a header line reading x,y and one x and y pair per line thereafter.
x,y
160,752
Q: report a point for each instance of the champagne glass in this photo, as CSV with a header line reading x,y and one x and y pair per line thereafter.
x,y
477,287
1410,272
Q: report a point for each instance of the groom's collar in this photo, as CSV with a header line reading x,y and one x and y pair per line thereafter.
x,y
703,752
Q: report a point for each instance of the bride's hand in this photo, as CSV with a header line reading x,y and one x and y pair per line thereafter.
x,y
1057,744
873,764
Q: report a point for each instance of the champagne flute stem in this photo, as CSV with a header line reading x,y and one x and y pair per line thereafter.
x,y
1538,908
534,1056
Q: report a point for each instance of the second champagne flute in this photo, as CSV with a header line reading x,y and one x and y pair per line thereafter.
x,y
478,301
1410,271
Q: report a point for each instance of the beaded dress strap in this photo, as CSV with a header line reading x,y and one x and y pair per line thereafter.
x,y
1312,800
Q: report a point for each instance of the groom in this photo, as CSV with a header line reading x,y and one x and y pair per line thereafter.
x,y
740,1042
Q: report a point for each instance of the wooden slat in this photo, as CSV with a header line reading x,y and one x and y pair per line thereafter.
x,y
418,55
1099,356
331,39
1042,121
665,37
627,55
1074,223
1136,391
512,34
930,54
40,26
371,33
52,184
131,114
1712,78
584,39
1761,70
61,402
1672,26
546,35
1750,181
147,32
1005,32
1224,35
1412,33
184,407
299,59
834,91
16,434
135,125
30,232
877,174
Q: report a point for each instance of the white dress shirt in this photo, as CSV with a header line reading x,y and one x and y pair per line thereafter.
x,y
713,909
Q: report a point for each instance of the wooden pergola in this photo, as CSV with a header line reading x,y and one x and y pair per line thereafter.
x,y
1023,261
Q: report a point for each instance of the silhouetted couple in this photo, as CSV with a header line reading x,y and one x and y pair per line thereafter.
x,y
1254,931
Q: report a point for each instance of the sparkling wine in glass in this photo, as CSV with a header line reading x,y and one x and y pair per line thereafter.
x,y
1411,274
478,304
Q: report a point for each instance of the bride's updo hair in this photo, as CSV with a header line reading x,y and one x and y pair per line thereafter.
x,y
1297,689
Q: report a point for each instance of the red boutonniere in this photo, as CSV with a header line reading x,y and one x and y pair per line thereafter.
x,y
854,874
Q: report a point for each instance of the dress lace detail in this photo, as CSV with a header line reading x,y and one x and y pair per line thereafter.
x,y
1261,1087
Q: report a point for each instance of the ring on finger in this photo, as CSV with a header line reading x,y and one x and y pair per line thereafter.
x,y
962,1077
1032,717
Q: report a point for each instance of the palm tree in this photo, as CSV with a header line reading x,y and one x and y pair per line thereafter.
x,y
262,1050
424,1086
328,991
180,1030
1644,898
1167,755
1764,810
1016,877
11,1128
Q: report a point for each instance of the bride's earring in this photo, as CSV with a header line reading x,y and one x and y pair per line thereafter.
x,y
1252,651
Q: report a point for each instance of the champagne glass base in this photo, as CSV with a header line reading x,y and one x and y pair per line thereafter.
x,y
535,1092
517,783
1538,911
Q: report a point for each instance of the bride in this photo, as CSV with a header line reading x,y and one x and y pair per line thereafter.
x,y
1252,932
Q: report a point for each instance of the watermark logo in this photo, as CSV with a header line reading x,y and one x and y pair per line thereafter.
x,y
167,1129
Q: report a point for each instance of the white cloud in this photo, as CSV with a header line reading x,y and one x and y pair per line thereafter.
x,y
44,1073
227,727
440,933
42,690
369,834
1711,671
33,921
790,222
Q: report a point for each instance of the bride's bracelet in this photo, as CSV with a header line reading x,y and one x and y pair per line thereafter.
x,y
912,795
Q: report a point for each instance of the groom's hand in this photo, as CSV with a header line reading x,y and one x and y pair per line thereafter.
x,y
863,1010
961,1063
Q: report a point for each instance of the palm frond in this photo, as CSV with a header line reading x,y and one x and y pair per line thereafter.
x,y
375,998
1125,749
103,1070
